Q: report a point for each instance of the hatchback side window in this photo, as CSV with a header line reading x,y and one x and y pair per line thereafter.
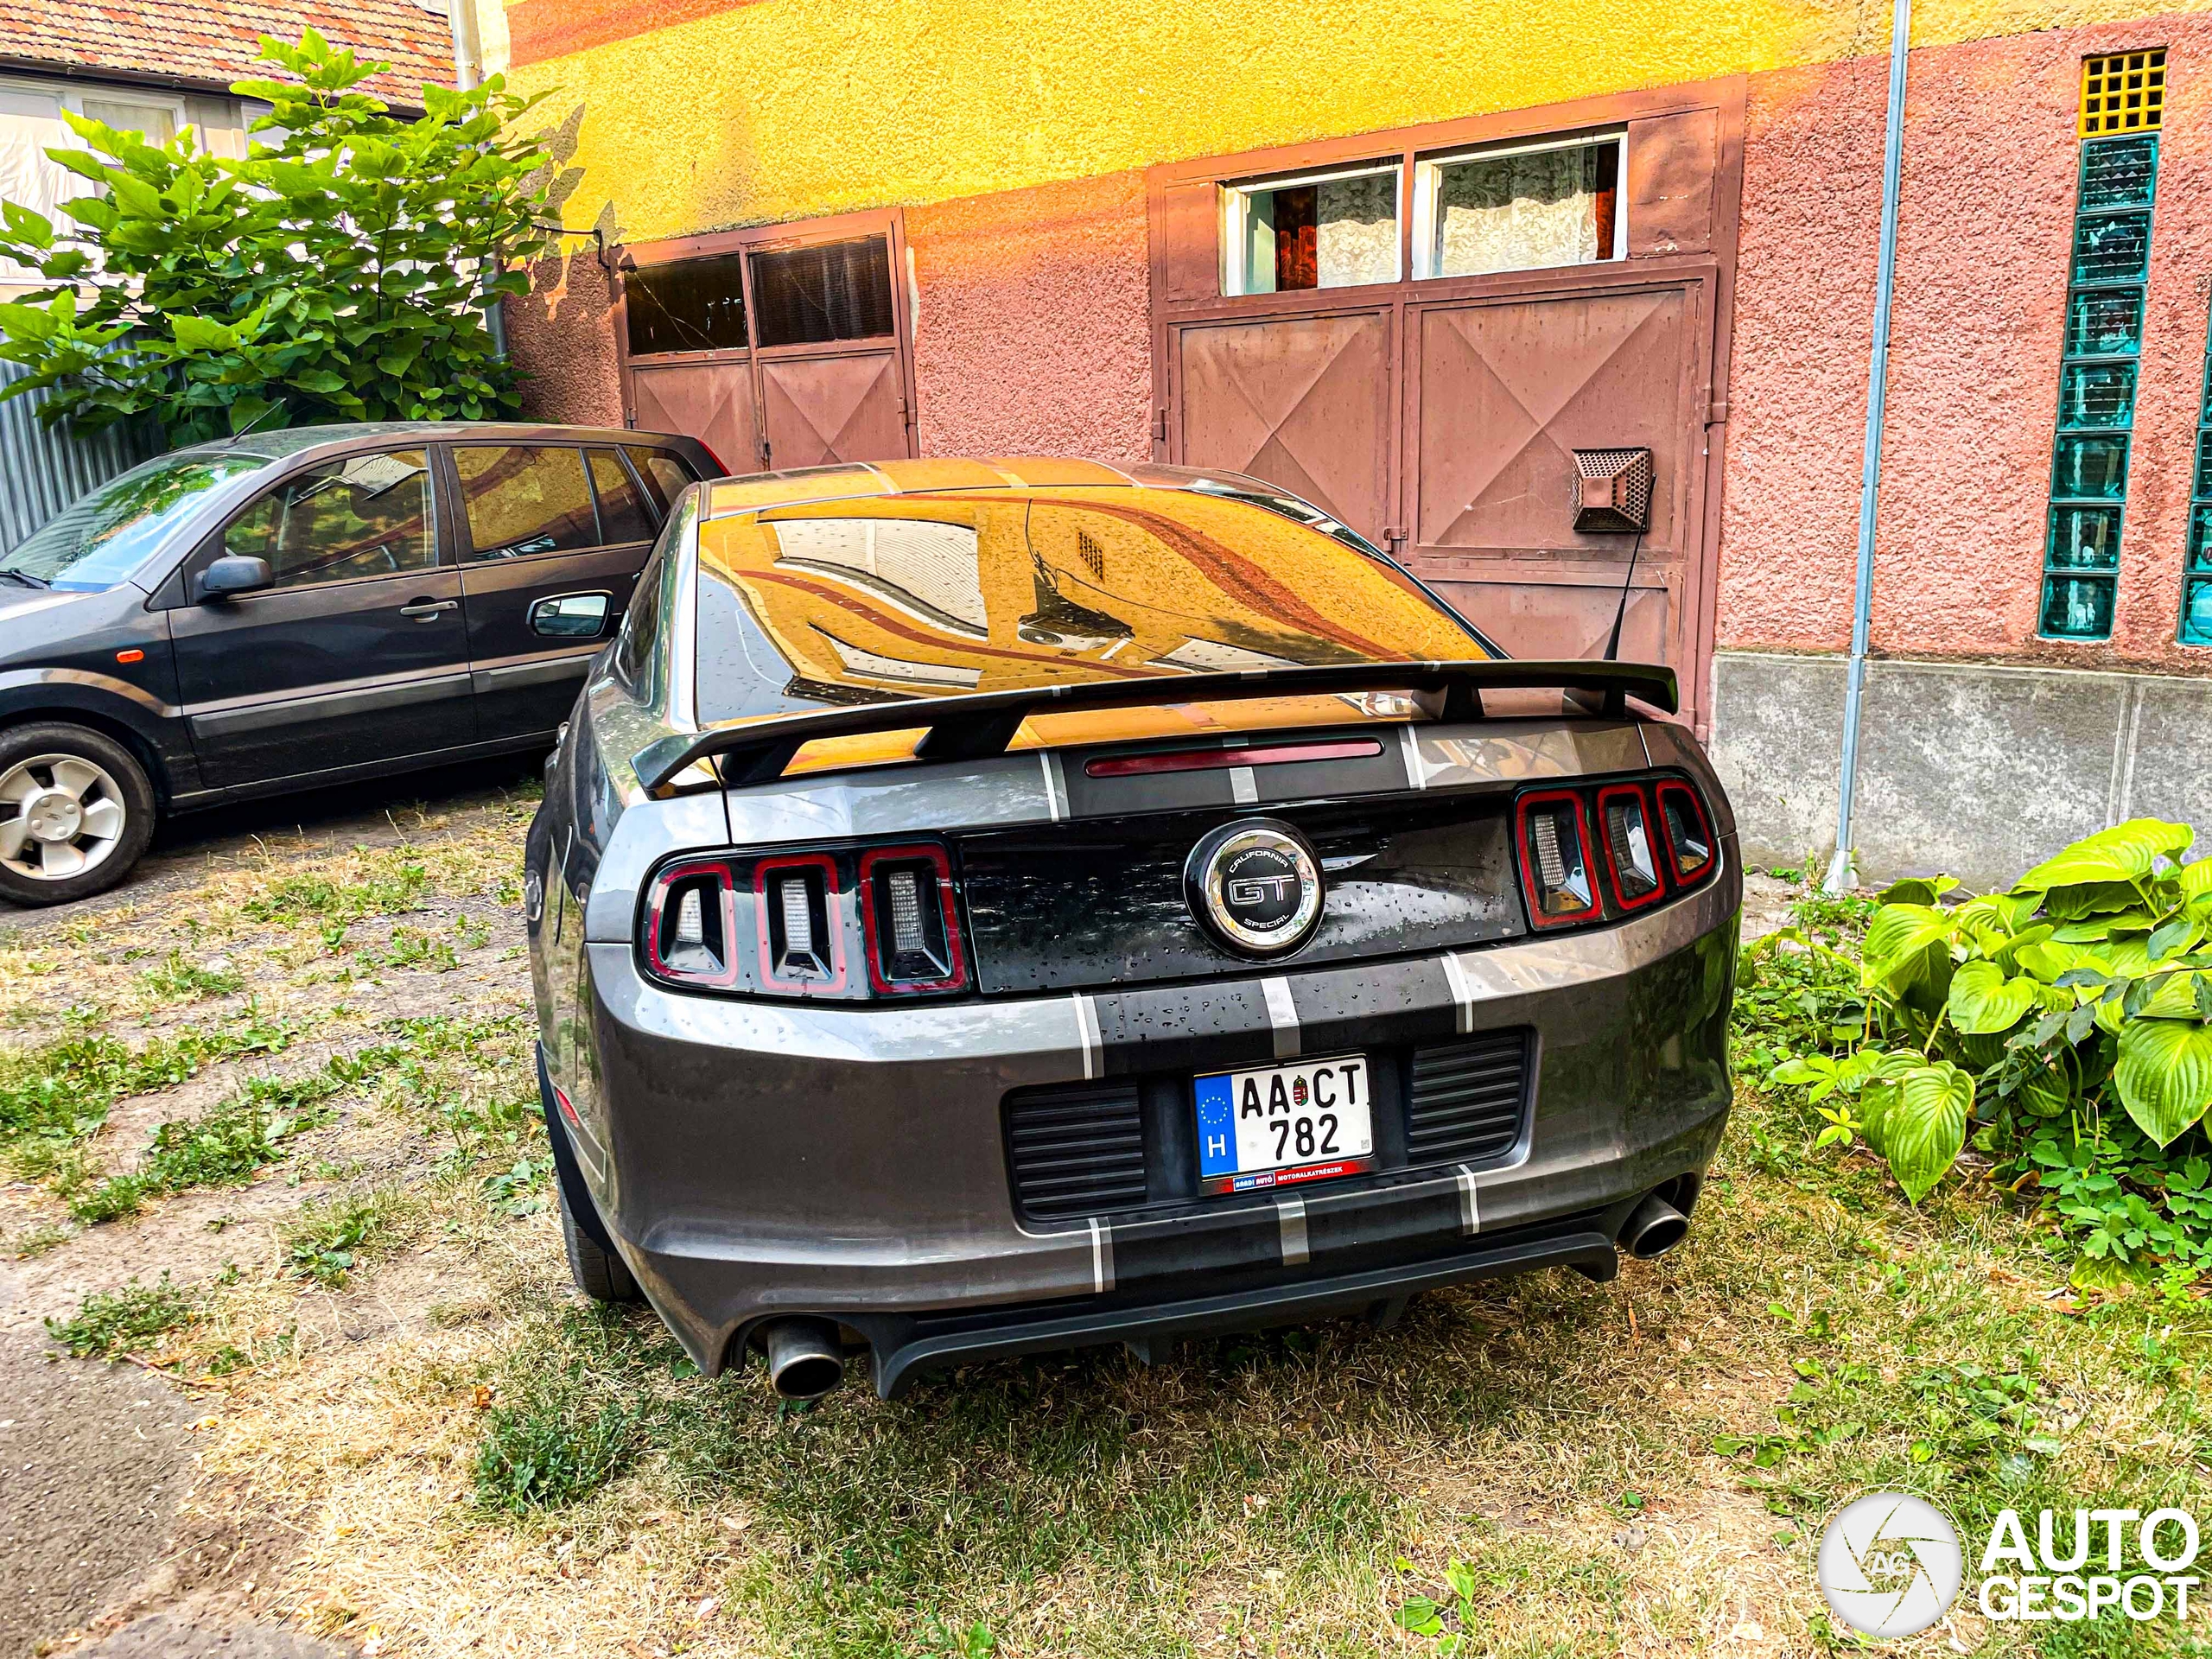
x,y
365,516
622,515
524,499
663,473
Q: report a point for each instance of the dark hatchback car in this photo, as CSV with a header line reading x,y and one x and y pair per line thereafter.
x,y
984,907
303,608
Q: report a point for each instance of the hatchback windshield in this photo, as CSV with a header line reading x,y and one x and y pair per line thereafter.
x,y
100,539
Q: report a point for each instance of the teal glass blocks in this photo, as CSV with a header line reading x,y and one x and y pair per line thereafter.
x,y
2096,389
2196,557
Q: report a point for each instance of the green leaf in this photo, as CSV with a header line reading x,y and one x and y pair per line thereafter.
x,y
1894,952
2126,852
2165,1075
203,333
2173,937
1983,1000
1926,1128
1915,890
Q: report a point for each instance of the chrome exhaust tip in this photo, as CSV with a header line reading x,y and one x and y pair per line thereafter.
x,y
806,1359
1654,1228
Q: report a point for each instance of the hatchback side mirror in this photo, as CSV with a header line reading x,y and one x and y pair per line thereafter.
x,y
230,574
569,616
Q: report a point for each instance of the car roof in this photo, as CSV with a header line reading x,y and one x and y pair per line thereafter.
x,y
286,444
763,491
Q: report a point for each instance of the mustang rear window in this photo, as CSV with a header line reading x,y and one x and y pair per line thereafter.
x,y
857,601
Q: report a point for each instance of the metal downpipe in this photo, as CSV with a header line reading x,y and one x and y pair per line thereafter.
x,y
1877,379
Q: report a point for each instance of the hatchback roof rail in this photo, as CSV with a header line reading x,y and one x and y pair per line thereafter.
x,y
970,728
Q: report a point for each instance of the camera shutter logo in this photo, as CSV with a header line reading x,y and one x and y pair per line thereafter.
x,y
1890,1564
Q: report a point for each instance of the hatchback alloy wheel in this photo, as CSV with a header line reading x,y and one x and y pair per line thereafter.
x,y
61,815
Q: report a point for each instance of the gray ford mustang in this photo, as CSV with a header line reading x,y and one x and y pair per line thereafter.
x,y
987,907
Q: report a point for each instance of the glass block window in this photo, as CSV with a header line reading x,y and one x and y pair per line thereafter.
x,y
1335,230
2096,380
2196,560
2125,92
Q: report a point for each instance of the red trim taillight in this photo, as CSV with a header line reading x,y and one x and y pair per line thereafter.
x,y
691,923
1625,828
1688,831
1558,875
799,923
908,918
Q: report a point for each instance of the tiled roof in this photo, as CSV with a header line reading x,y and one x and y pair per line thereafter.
x,y
214,42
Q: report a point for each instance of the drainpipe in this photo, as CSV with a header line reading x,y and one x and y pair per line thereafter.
x,y
1870,484
468,72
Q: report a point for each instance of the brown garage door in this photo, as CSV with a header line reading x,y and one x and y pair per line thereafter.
x,y
1438,411
777,347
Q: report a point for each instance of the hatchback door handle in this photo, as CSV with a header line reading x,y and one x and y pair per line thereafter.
x,y
429,610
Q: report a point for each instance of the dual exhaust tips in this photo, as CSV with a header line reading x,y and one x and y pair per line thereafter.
x,y
806,1357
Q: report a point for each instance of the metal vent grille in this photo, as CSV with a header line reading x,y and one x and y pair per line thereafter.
x,y
1076,1150
1469,1099
1613,490
2125,92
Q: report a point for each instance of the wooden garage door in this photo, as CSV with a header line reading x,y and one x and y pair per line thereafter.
x,y
1308,402
1502,389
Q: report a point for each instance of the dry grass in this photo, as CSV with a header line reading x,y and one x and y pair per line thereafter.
x,y
1575,1446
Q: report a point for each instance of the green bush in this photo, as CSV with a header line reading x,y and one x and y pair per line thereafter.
x,y
122,1321
2065,1027
338,272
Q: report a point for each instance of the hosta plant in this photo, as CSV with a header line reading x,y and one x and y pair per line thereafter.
x,y
2065,1025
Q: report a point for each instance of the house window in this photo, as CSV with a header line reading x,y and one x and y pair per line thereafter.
x,y
2096,383
1329,230
1520,208
2125,92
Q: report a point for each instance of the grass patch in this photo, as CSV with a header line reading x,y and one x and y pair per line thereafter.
x,y
225,1146
113,1323
331,1238
61,1090
36,1240
326,901
179,981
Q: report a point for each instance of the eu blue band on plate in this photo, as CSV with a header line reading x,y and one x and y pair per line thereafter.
x,y
1217,1126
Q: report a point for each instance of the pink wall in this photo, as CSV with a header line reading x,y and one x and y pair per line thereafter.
x,y
1035,330
1985,230
561,336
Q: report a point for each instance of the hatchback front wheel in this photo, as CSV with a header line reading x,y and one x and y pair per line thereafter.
x,y
76,810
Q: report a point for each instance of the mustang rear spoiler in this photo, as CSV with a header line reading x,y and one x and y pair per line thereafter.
x,y
970,728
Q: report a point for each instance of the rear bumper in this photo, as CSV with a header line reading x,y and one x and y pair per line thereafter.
x,y
754,1160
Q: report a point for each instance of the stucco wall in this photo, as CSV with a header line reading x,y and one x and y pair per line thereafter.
x,y
1034,322
1985,224
562,337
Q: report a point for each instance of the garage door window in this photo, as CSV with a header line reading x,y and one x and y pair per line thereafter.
x,y
834,290
696,305
1335,229
1523,208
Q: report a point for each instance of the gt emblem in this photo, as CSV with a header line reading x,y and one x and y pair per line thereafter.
x,y
1255,887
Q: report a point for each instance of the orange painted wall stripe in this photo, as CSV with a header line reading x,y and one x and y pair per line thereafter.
x,y
539,30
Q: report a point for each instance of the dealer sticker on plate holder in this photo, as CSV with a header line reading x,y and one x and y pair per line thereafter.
x,y
1280,1125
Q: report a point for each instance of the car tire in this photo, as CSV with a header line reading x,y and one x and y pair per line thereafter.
x,y
68,792
601,1274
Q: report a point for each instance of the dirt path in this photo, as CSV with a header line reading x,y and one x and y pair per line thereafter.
x,y
100,1550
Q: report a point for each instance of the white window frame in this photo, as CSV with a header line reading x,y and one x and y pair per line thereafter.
x,y
1236,220
1426,184
72,99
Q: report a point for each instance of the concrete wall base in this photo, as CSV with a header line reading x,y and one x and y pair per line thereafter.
x,y
1972,769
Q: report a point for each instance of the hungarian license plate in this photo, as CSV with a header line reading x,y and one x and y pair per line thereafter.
x,y
1279,1125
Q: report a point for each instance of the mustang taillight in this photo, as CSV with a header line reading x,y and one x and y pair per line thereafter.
x,y
907,912
1689,834
1555,862
800,925
692,924
1631,860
